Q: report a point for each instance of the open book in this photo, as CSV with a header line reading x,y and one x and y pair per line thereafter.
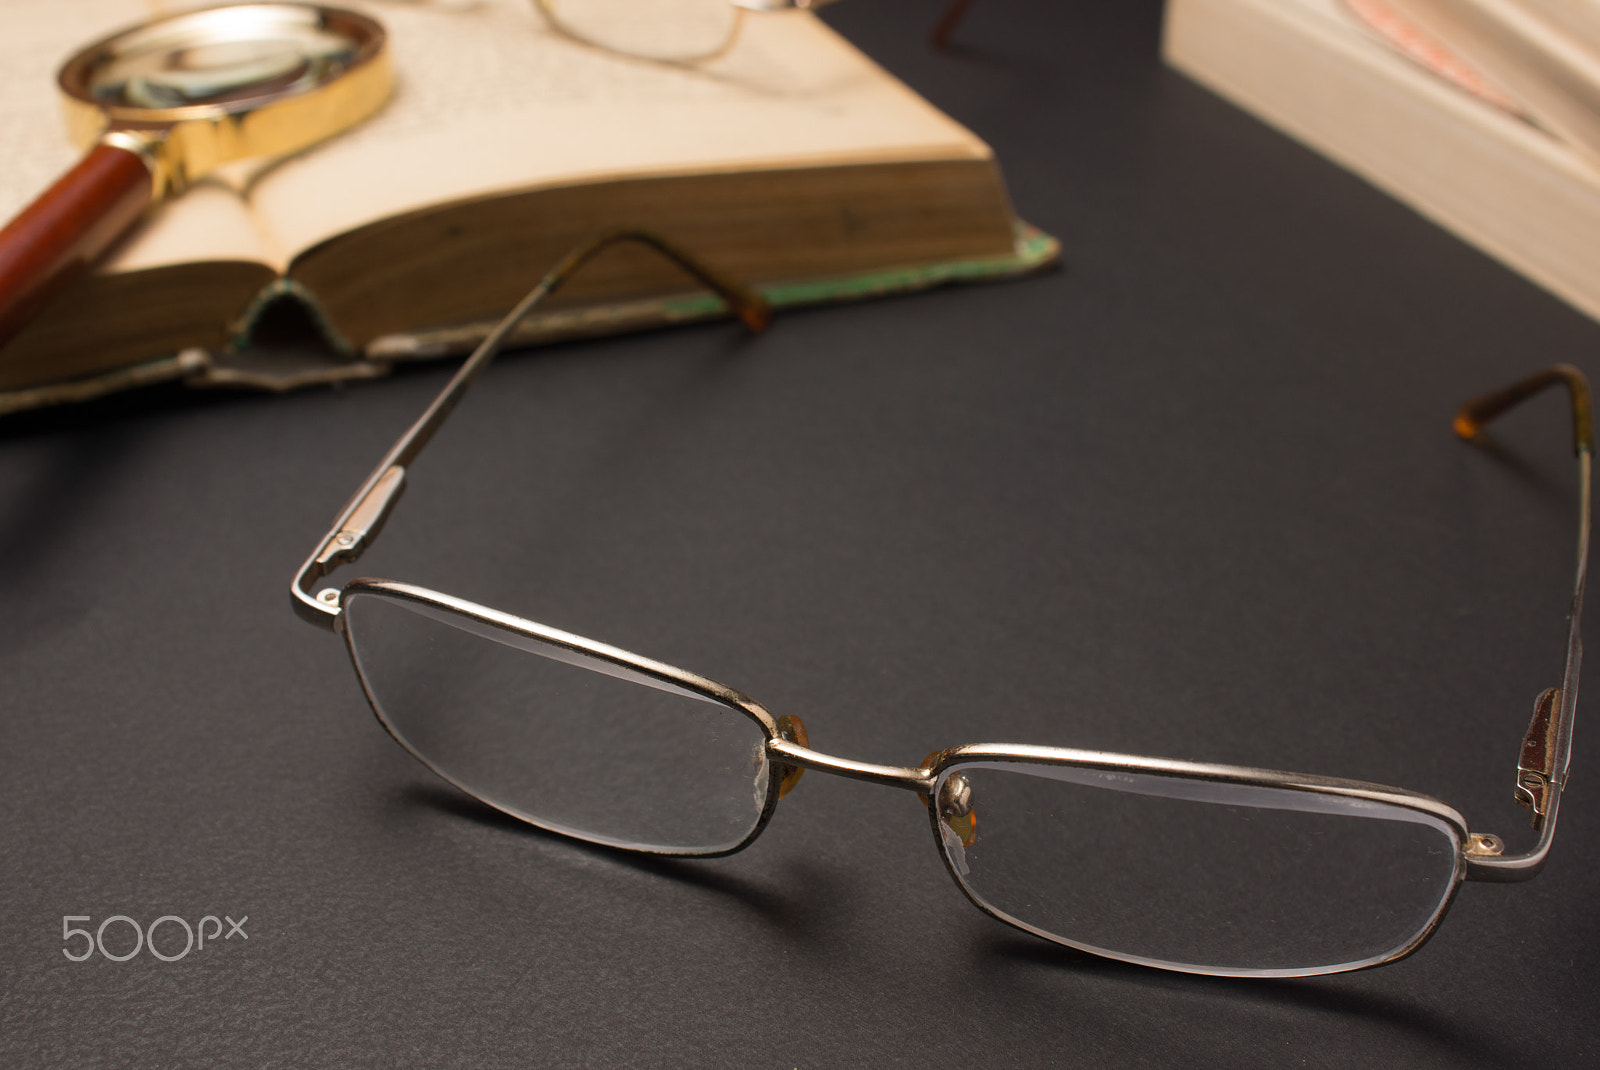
x,y
792,163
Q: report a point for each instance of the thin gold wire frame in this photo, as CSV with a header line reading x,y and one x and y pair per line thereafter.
x,y
1542,766
560,15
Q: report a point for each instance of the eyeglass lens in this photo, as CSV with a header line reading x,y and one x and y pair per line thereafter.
x,y
559,737
1198,874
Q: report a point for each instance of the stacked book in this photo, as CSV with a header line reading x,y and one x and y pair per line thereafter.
x,y
1483,115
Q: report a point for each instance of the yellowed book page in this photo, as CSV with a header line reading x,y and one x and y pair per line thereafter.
x,y
36,36
490,99
209,221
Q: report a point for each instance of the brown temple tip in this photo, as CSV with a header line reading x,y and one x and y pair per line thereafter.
x,y
948,22
1465,426
754,311
1472,416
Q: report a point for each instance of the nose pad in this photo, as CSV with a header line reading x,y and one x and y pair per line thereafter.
x,y
956,811
793,730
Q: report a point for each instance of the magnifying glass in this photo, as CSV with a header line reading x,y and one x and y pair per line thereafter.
x,y
166,102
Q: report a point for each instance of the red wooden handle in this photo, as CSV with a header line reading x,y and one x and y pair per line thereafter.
x,y
67,229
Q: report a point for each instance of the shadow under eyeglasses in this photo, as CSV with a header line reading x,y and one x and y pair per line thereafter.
x,y
808,901
1464,1045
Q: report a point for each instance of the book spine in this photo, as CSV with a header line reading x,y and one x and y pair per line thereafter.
x,y
242,329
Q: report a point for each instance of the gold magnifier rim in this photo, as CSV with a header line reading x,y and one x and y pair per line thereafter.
x,y
182,144
217,25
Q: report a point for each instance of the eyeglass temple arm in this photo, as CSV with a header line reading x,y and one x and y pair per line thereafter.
x,y
358,523
1547,747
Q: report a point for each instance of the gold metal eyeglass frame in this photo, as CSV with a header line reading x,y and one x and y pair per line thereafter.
x,y
939,37
1541,769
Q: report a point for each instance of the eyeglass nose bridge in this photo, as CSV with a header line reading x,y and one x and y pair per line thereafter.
x,y
793,753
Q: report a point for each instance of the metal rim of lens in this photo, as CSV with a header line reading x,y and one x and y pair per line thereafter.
x,y
953,760
550,10
699,686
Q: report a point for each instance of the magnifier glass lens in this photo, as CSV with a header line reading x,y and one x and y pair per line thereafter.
x,y
671,30
179,69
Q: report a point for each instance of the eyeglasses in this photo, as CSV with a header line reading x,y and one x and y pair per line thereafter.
x,y
679,31
683,31
1203,868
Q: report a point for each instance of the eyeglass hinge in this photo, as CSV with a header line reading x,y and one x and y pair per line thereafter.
x,y
1536,765
364,521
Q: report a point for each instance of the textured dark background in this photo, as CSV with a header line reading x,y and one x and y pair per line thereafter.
x,y
1195,495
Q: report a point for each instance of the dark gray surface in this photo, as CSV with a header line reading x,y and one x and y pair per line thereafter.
x,y
1193,496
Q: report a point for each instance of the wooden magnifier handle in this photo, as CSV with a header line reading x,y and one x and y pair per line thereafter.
x,y
68,228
